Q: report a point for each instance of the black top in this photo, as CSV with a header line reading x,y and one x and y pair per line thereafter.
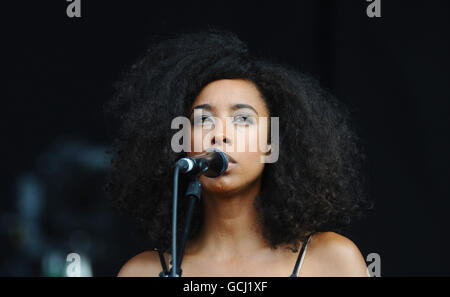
x,y
165,273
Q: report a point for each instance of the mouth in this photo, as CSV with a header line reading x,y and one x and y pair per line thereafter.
x,y
230,159
231,162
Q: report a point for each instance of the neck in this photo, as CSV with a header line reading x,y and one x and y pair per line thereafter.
x,y
231,225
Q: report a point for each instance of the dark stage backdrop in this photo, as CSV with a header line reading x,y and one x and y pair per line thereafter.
x,y
393,71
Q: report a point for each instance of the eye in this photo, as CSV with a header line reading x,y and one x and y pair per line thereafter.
x,y
203,120
243,119
207,119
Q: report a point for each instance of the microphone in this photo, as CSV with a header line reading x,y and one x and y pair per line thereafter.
x,y
211,163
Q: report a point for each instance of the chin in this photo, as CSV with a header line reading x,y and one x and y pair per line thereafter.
x,y
222,184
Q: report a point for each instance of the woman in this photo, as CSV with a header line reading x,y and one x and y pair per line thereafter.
x,y
257,219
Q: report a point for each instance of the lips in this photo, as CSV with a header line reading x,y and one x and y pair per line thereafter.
x,y
230,158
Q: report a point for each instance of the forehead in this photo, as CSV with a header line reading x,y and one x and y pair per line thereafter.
x,y
224,93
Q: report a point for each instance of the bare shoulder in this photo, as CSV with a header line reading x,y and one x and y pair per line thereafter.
x,y
336,255
144,264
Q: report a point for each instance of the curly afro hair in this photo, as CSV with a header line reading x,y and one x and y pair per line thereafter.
x,y
317,184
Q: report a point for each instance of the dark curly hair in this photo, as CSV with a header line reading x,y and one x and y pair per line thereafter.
x,y
318,182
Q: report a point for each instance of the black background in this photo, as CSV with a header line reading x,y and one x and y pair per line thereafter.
x,y
392,71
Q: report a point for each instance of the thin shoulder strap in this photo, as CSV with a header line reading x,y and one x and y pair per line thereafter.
x,y
164,272
301,255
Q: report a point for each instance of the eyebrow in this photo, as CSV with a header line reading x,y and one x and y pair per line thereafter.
x,y
234,107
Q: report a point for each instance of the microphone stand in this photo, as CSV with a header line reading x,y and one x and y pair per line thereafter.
x,y
193,194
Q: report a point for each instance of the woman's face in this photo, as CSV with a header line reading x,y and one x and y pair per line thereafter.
x,y
227,115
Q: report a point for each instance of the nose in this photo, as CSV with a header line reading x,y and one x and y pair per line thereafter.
x,y
220,139
218,136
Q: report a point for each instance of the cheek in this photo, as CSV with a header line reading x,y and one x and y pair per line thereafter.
x,y
246,139
251,139
263,133
197,136
251,163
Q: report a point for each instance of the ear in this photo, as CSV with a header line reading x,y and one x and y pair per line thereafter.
x,y
266,154
268,150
